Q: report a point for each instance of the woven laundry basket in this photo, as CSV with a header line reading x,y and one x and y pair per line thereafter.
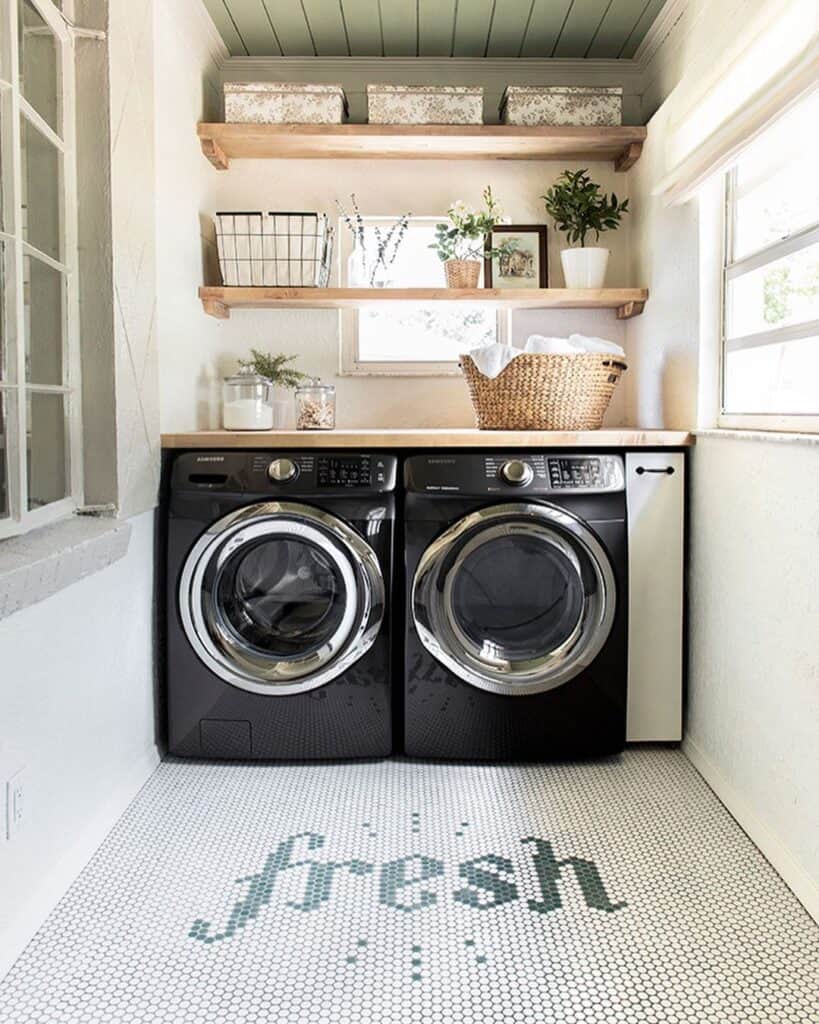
x,y
544,392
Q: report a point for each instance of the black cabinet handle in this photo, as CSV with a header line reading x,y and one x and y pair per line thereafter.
x,y
642,469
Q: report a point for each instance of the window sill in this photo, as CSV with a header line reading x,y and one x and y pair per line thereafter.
x,y
775,436
38,564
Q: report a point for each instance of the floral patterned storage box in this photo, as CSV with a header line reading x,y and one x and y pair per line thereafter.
x,y
284,103
425,104
562,105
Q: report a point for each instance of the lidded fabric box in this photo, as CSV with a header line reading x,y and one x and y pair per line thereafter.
x,y
562,105
284,103
425,104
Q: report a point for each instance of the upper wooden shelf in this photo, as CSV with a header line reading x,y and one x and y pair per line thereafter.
x,y
221,142
218,302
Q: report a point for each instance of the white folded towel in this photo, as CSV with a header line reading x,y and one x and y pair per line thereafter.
x,y
491,359
595,344
549,346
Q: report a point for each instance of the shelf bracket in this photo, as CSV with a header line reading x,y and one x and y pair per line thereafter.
x,y
629,309
629,157
215,308
214,152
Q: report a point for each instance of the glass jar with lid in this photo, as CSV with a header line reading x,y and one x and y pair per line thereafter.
x,y
315,405
247,401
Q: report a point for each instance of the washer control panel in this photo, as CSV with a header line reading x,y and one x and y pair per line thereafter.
x,y
344,470
289,472
530,473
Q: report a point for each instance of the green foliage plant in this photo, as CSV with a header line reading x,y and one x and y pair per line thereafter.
x,y
579,207
464,236
274,368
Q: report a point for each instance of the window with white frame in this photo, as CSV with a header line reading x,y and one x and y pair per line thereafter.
x,y
39,359
407,339
770,360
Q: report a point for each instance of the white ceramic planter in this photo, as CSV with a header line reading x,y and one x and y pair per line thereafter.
x,y
585,267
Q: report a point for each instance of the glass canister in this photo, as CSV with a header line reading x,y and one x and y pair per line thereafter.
x,y
315,405
247,401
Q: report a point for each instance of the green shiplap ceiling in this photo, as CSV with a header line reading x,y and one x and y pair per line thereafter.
x,y
433,28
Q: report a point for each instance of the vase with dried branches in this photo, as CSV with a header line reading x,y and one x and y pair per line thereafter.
x,y
375,247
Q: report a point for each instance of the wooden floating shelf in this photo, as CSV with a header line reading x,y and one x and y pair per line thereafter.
x,y
223,142
218,302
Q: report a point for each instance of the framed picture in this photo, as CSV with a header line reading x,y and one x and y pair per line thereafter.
x,y
524,266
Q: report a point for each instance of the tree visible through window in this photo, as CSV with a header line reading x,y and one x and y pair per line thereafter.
x,y
771,301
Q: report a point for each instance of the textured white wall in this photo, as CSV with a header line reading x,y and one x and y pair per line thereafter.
x,y
661,385
197,356
77,680
753,679
130,49
754,635
77,712
188,90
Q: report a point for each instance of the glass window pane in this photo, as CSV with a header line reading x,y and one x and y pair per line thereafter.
x,y
43,293
41,181
777,188
779,294
47,470
425,335
774,378
4,488
411,333
39,63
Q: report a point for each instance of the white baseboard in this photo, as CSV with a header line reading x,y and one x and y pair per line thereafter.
x,y
802,885
20,929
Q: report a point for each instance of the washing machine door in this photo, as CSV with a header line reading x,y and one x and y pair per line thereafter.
x,y
280,597
515,598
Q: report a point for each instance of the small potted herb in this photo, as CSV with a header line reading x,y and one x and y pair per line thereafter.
x,y
579,208
461,244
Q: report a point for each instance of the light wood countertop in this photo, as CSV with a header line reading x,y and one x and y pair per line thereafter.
x,y
430,438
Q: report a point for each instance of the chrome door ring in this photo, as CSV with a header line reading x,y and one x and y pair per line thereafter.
x,y
254,671
504,677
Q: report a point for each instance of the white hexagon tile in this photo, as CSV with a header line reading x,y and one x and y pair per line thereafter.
x,y
395,892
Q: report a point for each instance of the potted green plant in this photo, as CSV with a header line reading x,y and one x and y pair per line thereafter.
x,y
579,208
460,244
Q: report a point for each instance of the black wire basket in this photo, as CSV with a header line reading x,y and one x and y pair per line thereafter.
x,y
275,249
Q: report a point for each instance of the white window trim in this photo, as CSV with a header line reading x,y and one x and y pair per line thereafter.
x,y
14,105
349,363
807,423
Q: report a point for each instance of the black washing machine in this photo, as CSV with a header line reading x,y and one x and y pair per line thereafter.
x,y
279,569
516,617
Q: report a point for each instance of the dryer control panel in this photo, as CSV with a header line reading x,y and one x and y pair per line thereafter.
x,y
521,473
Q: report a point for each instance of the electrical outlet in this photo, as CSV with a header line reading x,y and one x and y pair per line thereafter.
x,y
15,803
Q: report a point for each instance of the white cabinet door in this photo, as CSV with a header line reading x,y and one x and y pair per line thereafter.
x,y
655,494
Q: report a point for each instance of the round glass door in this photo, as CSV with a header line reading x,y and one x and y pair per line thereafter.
x,y
515,598
284,597
281,597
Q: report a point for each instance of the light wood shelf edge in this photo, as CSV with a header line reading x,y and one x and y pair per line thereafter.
x,y
218,301
622,145
447,437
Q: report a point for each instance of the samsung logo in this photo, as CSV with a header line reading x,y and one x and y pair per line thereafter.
x,y
210,458
441,462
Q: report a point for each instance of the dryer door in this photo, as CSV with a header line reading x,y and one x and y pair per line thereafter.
x,y
515,599
280,598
